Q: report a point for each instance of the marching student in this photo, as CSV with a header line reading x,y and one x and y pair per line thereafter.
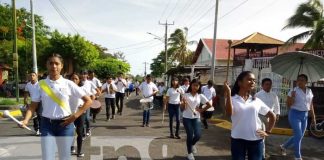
x,y
148,89
210,93
191,115
172,103
300,102
271,100
57,118
246,134
120,94
109,88
94,80
75,103
185,85
30,89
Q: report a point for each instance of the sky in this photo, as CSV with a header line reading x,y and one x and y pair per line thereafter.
x,y
123,25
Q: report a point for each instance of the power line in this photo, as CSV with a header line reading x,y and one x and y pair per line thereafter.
x,y
207,11
130,45
141,48
63,16
175,6
165,9
226,14
187,9
196,12
182,9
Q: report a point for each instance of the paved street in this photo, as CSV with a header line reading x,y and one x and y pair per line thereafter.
x,y
124,138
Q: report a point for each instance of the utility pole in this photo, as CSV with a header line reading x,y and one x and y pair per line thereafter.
x,y
166,24
213,60
14,50
34,37
145,68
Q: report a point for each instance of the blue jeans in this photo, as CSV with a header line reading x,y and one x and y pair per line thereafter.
x,y
146,116
193,130
53,133
254,149
87,119
174,110
298,122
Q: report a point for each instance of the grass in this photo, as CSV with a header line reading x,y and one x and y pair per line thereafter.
x,y
10,101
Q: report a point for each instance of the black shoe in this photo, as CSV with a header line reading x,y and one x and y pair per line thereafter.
x,y
177,137
171,136
80,155
73,151
113,117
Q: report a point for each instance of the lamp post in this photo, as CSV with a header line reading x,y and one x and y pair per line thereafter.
x,y
35,69
213,60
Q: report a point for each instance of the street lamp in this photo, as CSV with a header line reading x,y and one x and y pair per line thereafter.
x,y
35,69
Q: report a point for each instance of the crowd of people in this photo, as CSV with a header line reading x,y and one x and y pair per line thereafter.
x,y
60,104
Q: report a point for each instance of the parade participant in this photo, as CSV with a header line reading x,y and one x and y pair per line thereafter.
x,y
148,89
209,92
120,94
247,134
30,89
79,122
109,88
300,102
127,88
91,90
185,85
172,103
57,118
159,95
271,100
191,115
94,80
136,85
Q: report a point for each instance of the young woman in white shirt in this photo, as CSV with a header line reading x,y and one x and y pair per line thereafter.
x,y
246,134
57,117
109,88
191,115
172,103
300,102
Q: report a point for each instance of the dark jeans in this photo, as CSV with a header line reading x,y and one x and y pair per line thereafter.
x,y
37,120
52,132
174,110
193,130
146,116
120,101
110,103
207,115
241,147
87,120
159,100
79,124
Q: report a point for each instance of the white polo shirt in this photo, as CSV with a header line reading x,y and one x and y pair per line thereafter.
x,y
32,88
185,88
303,100
120,85
193,102
64,89
161,90
107,87
89,87
245,119
174,95
96,82
209,93
147,89
270,99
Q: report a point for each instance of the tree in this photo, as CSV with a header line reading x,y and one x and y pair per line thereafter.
x,y
178,43
109,66
120,55
310,16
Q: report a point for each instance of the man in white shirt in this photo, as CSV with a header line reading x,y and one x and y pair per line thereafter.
x,y
120,94
271,100
30,89
209,92
109,88
148,89
185,85
95,81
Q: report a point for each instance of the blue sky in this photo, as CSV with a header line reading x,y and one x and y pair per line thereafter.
x,y
118,23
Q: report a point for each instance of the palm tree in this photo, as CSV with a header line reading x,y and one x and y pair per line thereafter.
x,y
178,47
308,15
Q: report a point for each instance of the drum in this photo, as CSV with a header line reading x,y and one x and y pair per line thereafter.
x,y
95,107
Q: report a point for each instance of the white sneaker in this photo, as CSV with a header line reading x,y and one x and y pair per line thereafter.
x,y
283,150
190,157
38,133
194,150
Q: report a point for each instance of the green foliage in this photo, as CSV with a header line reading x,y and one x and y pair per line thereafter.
x,y
108,66
10,101
308,15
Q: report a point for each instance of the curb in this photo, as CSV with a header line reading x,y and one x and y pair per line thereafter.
x,y
228,125
14,113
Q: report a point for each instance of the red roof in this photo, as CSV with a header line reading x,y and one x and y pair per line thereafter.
x,y
222,48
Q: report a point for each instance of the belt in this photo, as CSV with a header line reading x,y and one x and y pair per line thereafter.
x,y
56,120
